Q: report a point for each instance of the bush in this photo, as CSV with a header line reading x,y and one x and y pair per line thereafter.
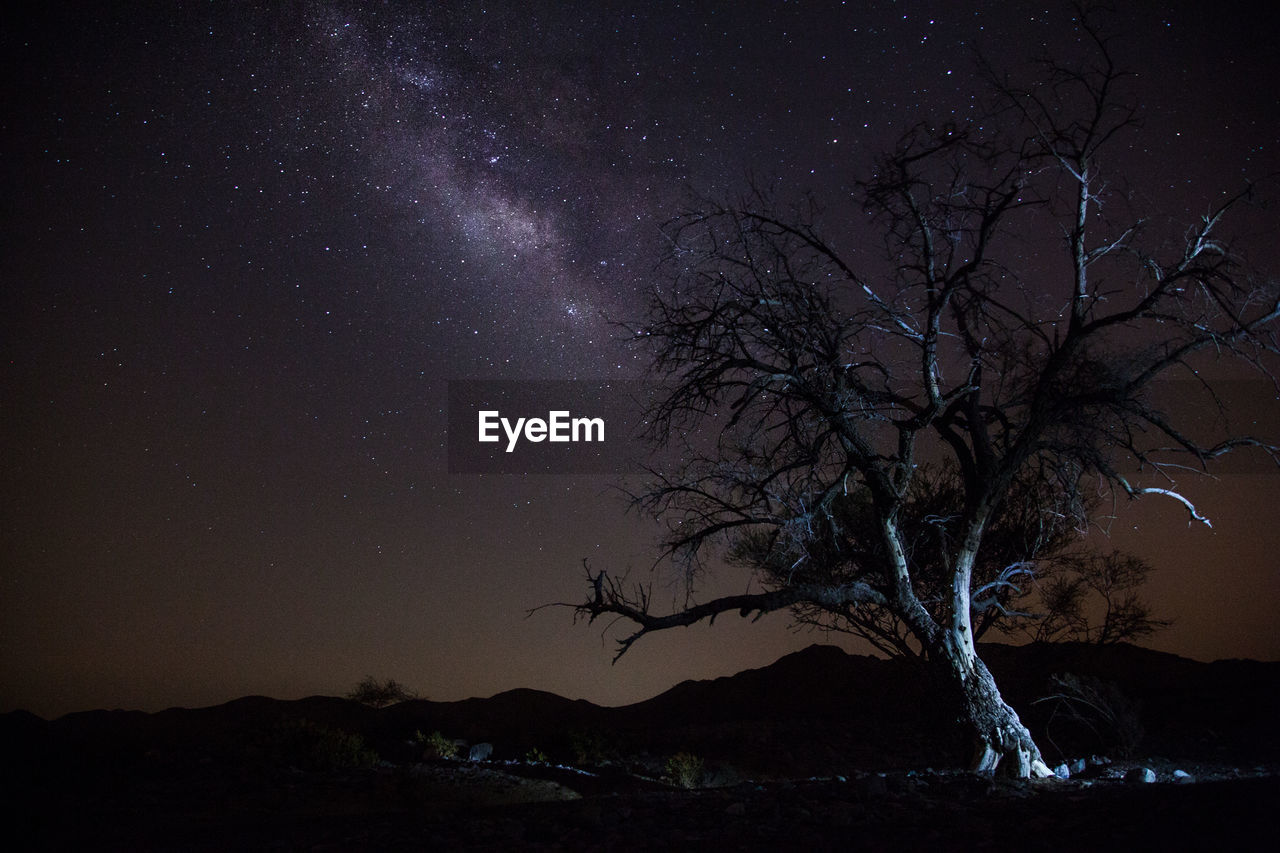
x,y
684,769
535,756
312,746
588,746
436,745
1097,709
379,694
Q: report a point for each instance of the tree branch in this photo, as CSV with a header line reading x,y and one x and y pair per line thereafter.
x,y
608,597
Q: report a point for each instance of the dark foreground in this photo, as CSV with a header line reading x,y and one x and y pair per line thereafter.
x,y
383,810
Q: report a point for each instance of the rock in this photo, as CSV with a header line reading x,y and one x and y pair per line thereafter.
x,y
1183,777
1078,766
480,752
736,810
1140,775
1062,771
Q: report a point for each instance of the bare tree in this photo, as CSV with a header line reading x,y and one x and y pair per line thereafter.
x,y
1029,540
810,388
1033,577
1075,586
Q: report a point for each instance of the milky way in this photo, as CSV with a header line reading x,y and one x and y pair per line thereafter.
x,y
247,245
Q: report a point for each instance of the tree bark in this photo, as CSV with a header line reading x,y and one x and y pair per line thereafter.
x,y
1001,743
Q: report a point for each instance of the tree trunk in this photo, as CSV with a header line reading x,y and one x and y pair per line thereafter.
x,y
1000,740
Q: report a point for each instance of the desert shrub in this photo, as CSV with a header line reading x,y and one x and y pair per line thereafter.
x,y
684,769
1082,704
536,756
380,694
588,746
436,745
307,745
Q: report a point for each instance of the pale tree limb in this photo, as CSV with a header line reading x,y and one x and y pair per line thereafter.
x,y
1170,493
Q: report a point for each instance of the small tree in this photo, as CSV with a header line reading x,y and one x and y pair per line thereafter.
x,y
809,387
1081,584
379,694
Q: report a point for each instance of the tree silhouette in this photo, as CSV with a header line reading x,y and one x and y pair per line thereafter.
x,y
380,694
812,391
1112,580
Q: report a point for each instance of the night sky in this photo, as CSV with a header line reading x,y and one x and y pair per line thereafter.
x,y
246,247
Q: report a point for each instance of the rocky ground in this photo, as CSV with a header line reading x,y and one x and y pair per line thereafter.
x,y
459,806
